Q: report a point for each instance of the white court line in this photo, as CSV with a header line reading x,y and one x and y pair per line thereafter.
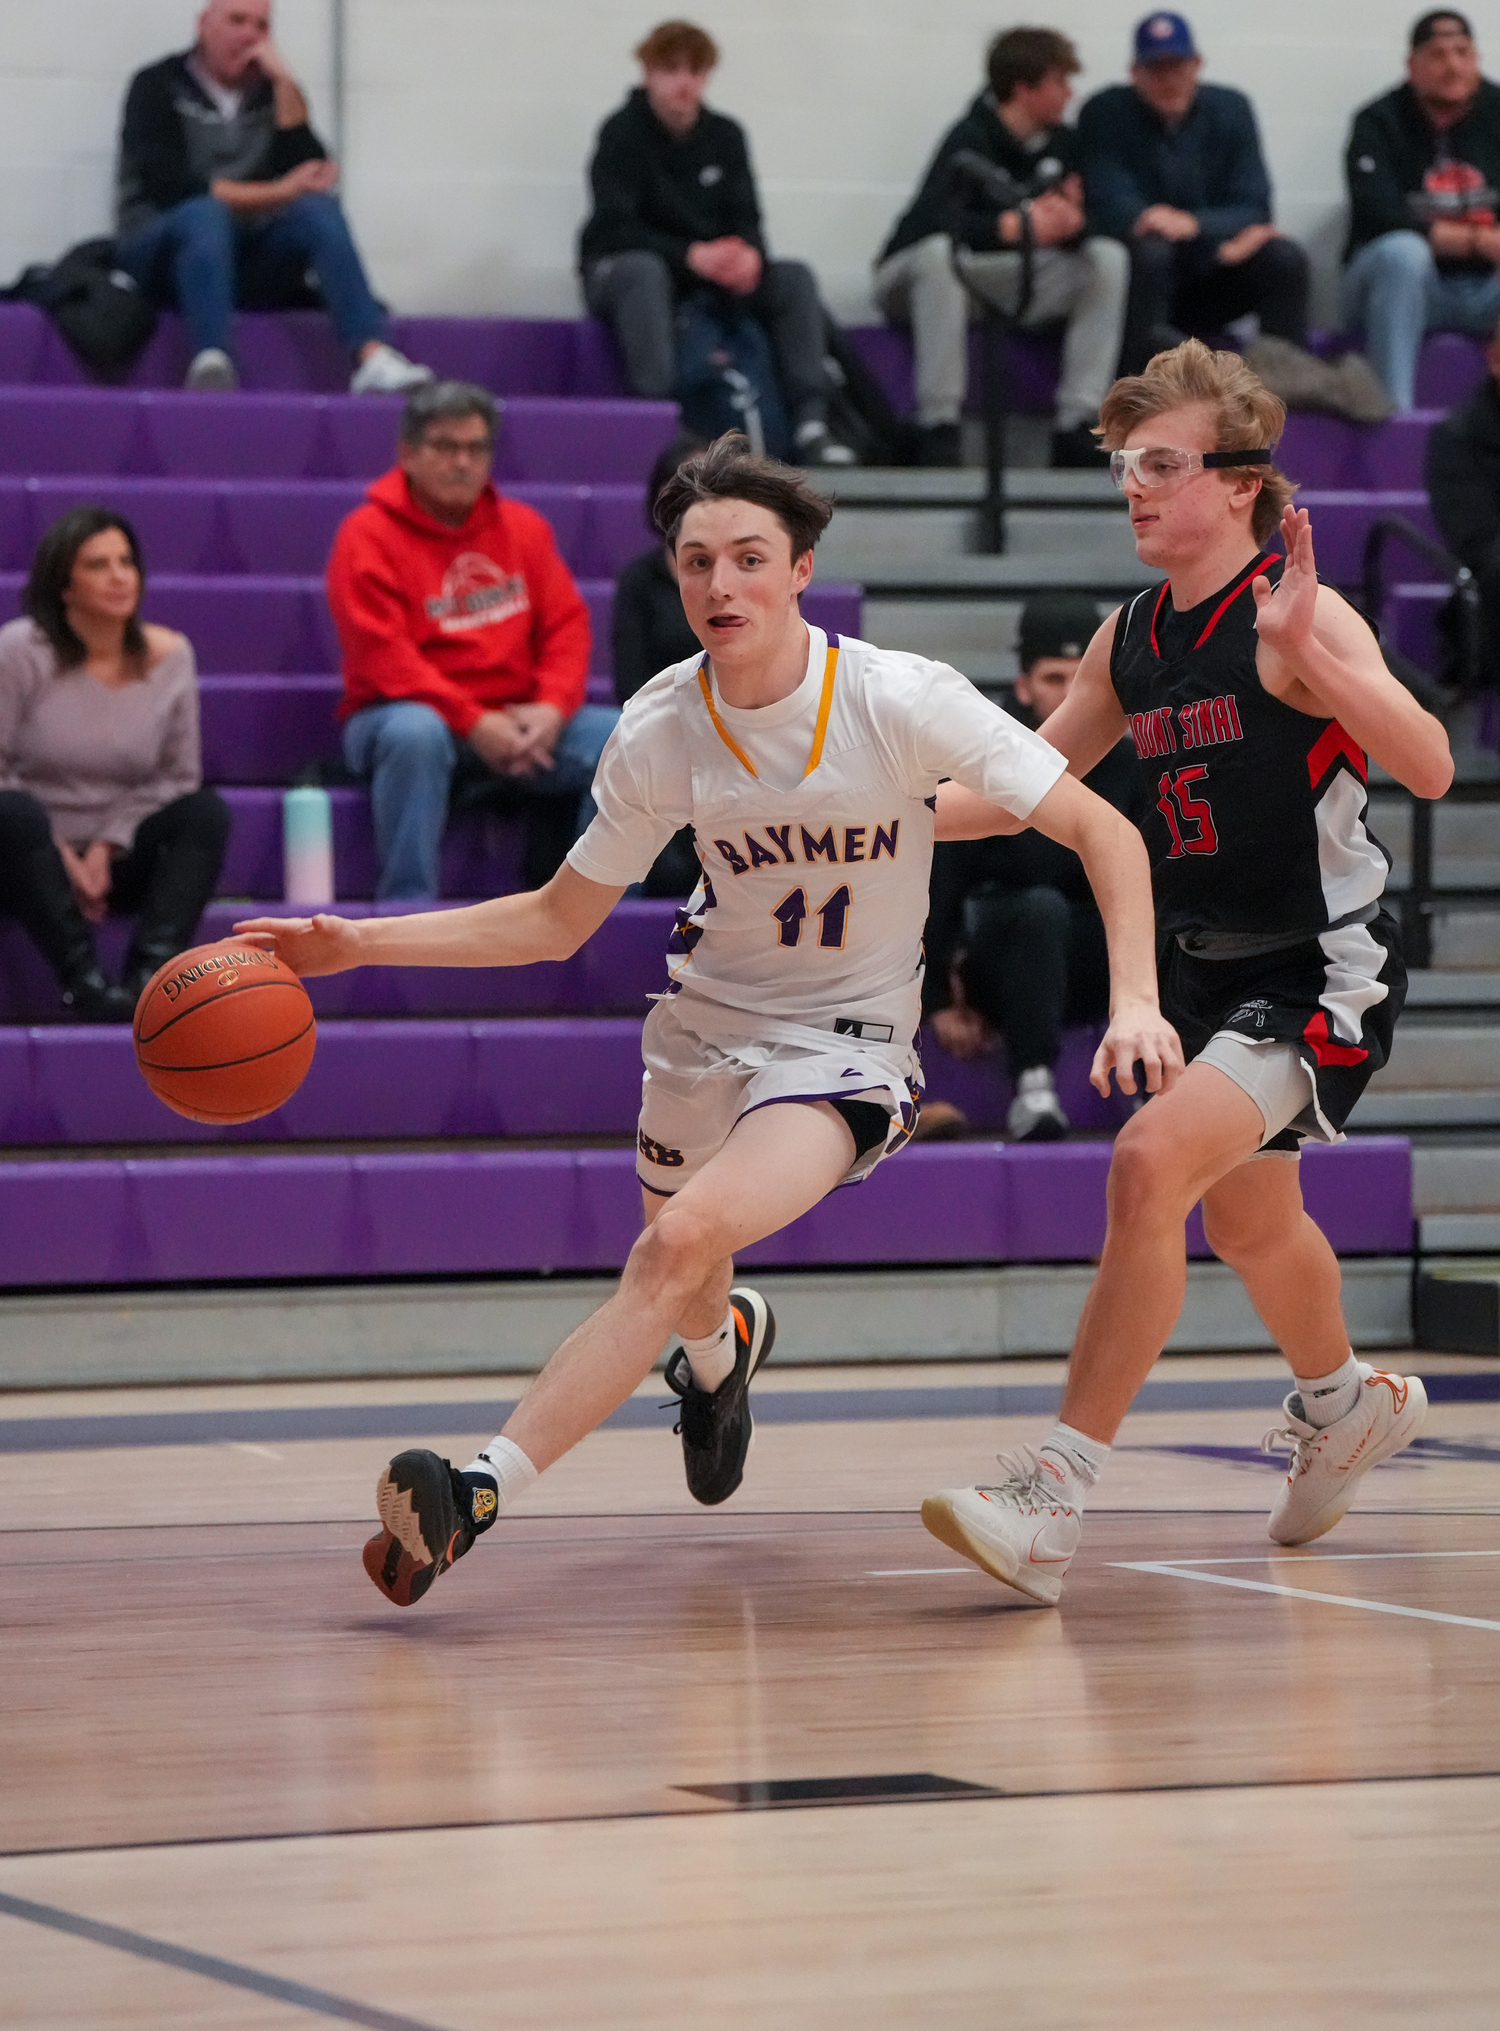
x,y
1302,1594
1344,1557
915,1572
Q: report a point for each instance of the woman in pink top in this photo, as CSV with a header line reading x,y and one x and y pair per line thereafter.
x,y
102,804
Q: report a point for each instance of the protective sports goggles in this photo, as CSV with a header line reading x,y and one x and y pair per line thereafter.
x,y
1160,465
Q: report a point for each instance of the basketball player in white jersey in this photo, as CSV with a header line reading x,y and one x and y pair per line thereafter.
x,y
780,1059
1252,696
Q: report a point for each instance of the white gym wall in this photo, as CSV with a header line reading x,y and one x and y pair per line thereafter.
x,y
468,123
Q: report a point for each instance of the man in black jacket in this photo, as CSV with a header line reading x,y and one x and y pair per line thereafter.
x,y
676,213
1463,484
1014,941
225,195
954,241
1423,165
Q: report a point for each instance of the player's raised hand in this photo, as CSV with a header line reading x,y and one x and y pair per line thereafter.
x,y
1284,615
309,945
1138,1034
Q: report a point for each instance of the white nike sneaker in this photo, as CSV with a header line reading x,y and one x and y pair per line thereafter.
x,y
384,371
1036,1113
1023,1531
1326,1465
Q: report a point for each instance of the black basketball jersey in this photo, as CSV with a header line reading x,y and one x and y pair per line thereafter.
x,y
1254,812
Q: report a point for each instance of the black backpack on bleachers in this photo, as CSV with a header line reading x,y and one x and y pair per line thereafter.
x,y
97,307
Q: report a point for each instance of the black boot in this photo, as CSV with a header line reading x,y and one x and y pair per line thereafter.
x,y
89,998
49,909
183,846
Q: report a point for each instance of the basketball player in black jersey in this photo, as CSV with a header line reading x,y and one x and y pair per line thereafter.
x,y
1252,696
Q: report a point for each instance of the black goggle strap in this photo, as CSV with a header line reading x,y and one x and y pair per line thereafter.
x,y
1238,457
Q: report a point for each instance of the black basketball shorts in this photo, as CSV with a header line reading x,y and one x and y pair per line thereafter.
x,y
1336,997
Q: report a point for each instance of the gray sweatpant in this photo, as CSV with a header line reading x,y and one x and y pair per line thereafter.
x,y
1085,285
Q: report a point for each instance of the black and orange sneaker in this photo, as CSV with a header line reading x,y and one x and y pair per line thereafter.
x,y
432,1514
716,1424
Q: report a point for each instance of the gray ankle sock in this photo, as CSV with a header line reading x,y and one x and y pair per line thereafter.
x,y
1327,1398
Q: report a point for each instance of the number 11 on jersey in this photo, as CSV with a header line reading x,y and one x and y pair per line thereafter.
x,y
791,912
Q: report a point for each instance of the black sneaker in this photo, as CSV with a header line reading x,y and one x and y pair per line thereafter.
x,y
716,1424
432,1514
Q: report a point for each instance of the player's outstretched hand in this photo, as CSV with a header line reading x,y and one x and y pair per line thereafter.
x,y
309,945
1139,1034
1284,614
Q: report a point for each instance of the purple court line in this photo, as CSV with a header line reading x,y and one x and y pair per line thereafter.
x,y
230,1974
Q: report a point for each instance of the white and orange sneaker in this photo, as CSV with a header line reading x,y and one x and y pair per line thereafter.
x,y
1023,1530
1326,1465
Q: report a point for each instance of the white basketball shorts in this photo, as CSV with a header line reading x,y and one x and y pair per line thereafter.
x,y
694,1090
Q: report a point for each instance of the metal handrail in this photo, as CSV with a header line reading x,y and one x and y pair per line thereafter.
x,y
1417,902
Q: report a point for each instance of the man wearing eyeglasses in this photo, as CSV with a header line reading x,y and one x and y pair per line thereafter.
x,y
1252,697
466,651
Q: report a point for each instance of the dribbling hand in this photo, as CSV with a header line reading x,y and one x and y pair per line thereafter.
x,y
309,945
1138,1034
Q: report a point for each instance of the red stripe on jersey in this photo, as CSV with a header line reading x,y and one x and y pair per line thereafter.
x,y
1165,586
1325,751
1230,597
1325,1050
1219,611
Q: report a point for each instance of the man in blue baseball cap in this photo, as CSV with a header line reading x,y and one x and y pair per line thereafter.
x,y
1175,170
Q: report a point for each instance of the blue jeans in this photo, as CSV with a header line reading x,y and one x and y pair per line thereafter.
x,y
208,260
411,755
1394,292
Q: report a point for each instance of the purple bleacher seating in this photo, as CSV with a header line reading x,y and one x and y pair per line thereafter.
x,y
242,1216
380,1079
561,1075
247,436
1341,521
1410,618
983,1089
266,729
287,527
623,963
1327,453
281,625
297,352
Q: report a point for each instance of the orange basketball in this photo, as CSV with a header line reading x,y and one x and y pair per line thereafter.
x,y
224,1033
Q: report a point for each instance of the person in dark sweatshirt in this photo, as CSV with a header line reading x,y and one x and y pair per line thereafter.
x,y
1014,941
955,242
676,213
1463,484
1174,169
466,650
1423,165
224,195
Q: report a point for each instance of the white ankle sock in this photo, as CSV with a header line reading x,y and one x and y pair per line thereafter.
x,y
1327,1398
512,1471
712,1358
1080,1457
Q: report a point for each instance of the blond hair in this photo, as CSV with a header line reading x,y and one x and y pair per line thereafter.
x,y
1247,416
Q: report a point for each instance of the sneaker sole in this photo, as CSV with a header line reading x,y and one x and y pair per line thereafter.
x,y
949,1528
1407,1424
408,1556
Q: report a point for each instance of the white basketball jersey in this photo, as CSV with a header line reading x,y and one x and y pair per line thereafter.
x,y
814,894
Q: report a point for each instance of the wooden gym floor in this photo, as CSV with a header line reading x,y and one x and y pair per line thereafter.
x,y
785,1764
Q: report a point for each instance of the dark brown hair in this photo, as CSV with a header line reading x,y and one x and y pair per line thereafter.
x,y
1024,56
673,42
730,471
1247,416
52,572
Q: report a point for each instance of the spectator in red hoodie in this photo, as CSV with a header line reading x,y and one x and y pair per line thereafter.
x,y
466,650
